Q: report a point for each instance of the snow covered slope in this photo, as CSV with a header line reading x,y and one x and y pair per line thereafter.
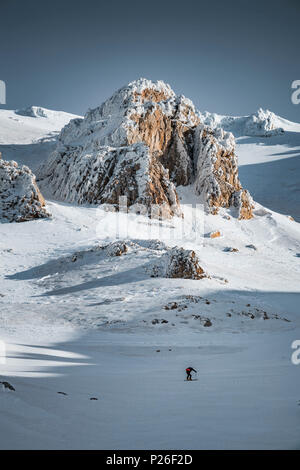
x,y
270,169
28,135
25,126
69,307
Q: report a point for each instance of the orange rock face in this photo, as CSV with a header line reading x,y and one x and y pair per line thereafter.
x,y
217,173
171,139
168,136
149,94
153,128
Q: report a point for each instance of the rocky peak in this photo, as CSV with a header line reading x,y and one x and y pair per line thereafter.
x,y
94,159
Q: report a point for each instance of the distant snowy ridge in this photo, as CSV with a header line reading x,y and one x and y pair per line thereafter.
x,y
263,123
39,112
33,111
177,150
28,125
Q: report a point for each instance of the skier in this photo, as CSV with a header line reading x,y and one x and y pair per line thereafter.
x,y
188,373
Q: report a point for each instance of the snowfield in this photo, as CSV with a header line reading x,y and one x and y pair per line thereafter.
x,y
96,348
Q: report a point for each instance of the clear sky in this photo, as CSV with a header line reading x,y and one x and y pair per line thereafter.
x,y
229,57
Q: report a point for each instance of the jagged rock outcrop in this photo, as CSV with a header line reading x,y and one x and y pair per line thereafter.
x,y
142,143
178,263
20,197
217,178
109,174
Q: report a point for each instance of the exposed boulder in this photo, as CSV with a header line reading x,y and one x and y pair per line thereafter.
x,y
7,386
157,321
141,143
215,234
116,249
20,197
179,263
231,249
251,247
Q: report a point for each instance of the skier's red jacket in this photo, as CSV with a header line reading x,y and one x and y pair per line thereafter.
x,y
190,369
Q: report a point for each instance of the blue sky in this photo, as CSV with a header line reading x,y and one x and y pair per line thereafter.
x,y
229,57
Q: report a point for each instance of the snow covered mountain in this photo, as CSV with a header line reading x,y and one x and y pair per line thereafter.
x,y
100,158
